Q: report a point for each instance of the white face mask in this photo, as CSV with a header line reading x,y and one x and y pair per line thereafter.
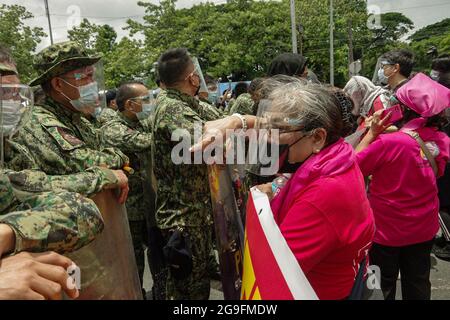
x,y
89,98
11,114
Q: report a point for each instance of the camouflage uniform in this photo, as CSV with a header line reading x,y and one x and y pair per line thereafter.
x,y
42,221
244,104
55,139
183,197
42,214
135,141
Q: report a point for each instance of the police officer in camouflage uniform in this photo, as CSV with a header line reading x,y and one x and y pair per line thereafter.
x,y
129,131
245,103
183,197
39,221
36,213
64,221
58,137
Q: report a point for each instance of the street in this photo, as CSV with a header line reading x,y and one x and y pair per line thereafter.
x,y
440,283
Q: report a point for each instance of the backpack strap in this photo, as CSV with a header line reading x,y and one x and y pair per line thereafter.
x,y
425,150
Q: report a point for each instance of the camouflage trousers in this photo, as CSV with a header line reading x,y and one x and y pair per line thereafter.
x,y
197,285
150,238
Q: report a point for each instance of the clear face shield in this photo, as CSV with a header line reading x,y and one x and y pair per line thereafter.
x,y
276,131
203,91
15,101
148,104
90,84
213,92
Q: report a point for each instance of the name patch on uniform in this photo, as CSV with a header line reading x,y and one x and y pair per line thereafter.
x,y
69,138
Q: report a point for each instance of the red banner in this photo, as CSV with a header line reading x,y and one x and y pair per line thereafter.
x,y
271,271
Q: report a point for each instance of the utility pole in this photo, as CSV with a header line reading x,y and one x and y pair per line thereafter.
x,y
49,21
300,32
293,28
351,57
331,44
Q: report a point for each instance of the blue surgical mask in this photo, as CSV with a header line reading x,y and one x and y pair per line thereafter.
x,y
89,98
212,97
147,110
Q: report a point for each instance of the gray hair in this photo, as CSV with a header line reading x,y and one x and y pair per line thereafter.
x,y
307,106
268,85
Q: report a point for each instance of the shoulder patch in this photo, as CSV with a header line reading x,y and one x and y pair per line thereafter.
x,y
65,140
69,138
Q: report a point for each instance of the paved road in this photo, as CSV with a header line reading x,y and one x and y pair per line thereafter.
x,y
440,282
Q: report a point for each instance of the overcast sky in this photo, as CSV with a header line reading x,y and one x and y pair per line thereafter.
x,y
64,13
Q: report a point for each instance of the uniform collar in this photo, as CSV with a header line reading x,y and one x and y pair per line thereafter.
x,y
177,94
59,110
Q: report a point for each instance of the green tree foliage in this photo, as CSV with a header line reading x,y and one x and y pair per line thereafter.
x,y
435,35
19,38
243,36
122,61
394,26
240,37
126,62
93,37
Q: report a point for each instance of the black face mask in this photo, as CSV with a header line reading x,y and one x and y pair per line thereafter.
x,y
284,166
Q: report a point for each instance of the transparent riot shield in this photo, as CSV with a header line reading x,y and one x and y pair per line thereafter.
x,y
91,84
203,88
107,266
229,230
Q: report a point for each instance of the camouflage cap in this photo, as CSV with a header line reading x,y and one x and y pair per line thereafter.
x,y
60,58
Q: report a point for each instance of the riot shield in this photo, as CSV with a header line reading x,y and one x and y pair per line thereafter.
x,y
107,265
228,227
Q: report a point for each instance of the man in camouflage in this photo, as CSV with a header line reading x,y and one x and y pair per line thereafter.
x,y
57,137
183,197
245,103
39,221
129,131
33,220
64,221
37,214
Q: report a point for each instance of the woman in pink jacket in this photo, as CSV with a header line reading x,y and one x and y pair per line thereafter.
x,y
403,192
322,212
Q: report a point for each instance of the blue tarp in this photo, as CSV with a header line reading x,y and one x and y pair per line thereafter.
x,y
225,85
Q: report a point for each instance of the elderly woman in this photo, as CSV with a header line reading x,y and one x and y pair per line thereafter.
x,y
322,212
403,192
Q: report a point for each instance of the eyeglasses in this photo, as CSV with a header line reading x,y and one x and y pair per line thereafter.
x,y
143,99
87,72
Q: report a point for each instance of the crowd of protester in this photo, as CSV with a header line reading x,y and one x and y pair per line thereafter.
x,y
368,164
